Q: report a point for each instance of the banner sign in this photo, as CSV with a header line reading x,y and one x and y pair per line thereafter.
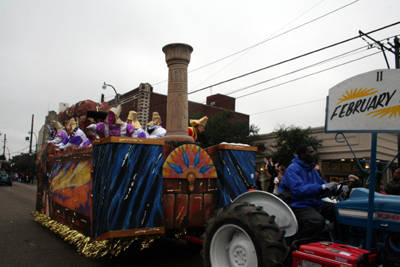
x,y
369,102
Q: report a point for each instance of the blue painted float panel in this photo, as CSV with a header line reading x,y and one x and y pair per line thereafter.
x,y
127,187
236,173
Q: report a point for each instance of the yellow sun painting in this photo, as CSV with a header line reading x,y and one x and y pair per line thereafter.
x,y
391,111
356,94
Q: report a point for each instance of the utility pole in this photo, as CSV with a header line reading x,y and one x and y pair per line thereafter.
x,y
4,147
397,62
30,146
30,141
395,51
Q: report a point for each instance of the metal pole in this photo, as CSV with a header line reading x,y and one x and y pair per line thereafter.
x,y
30,141
30,147
396,52
397,62
4,147
9,156
117,96
36,143
371,191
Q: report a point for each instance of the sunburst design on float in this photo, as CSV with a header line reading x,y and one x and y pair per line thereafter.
x,y
391,111
189,160
356,94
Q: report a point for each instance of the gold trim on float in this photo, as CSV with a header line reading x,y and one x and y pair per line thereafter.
x,y
236,147
135,232
128,140
92,248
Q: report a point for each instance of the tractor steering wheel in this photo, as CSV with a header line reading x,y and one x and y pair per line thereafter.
x,y
340,189
338,192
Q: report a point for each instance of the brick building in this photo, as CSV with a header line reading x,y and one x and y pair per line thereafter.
x,y
144,101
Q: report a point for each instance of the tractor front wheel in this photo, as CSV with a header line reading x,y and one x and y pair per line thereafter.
x,y
243,235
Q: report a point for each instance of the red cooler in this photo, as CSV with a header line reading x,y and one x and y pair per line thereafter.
x,y
328,254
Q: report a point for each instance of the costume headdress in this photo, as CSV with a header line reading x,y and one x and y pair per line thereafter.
x,y
202,121
155,119
72,123
133,117
117,112
57,125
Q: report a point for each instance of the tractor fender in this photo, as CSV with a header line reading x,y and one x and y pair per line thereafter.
x,y
272,205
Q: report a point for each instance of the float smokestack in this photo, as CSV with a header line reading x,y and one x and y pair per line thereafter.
x,y
177,57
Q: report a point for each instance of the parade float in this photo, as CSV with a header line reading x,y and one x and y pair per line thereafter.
x,y
123,190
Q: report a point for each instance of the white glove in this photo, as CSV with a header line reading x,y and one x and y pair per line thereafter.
x,y
345,189
330,186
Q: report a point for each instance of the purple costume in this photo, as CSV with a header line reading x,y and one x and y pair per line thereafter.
x,y
120,128
79,140
59,138
140,133
112,129
105,129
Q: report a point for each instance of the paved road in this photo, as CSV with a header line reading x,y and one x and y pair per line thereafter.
x,y
24,242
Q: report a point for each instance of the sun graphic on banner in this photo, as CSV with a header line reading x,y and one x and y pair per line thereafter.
x,y
391,111
356,94
188,160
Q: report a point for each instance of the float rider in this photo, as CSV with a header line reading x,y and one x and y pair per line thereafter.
x,y
197,127
112,125
76,137
132,119
58,134
154,130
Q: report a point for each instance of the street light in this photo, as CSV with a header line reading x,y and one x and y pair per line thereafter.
x,y
117,96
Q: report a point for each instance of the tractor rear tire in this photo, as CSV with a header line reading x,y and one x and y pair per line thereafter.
x,y
243,235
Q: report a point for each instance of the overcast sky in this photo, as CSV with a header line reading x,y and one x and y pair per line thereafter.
x,y
62,51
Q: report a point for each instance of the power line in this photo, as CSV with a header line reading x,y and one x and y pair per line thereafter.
x,y
276,36
271,38
162,102
19,150
251,48
291,59
295,105
292,72
346,54
343,55
271,87
305,76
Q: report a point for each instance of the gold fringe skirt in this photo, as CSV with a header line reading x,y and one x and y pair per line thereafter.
x,y
88,247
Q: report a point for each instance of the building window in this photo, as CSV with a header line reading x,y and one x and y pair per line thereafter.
x,y
335,167
346,167
326,166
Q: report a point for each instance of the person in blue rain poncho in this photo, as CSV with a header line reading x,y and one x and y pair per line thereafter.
x,y
301,188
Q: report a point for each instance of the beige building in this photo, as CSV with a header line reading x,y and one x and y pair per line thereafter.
x,y
336,159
